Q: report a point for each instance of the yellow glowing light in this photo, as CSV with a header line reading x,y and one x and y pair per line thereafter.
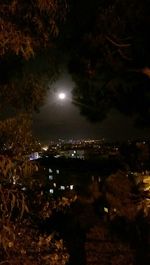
x,y
45,148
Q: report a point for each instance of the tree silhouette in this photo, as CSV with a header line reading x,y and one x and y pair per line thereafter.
x,y
110,59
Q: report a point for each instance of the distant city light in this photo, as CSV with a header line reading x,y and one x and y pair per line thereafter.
x,y
45,148
51,191
57,156
34,156
24,188
71,187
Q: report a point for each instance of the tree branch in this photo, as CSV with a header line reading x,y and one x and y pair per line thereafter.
x,y
120,45
124,56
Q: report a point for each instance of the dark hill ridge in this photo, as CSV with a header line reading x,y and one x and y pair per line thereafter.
x,y
101,166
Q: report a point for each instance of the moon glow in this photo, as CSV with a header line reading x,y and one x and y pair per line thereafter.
x,y
61,96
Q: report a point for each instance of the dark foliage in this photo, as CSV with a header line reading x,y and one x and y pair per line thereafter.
x,y
109,57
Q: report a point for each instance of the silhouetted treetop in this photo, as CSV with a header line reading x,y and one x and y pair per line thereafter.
x,y
110,59
28,57
28,25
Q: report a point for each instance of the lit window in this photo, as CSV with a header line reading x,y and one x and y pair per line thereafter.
x,y
74,152
14,180
62,187
50,170
54,184
71,187
105,210
57,171
51,191
50,177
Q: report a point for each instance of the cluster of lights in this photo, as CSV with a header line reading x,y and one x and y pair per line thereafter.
x,y
62,187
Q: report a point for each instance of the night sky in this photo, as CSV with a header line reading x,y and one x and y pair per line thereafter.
x,y
102,45
62,119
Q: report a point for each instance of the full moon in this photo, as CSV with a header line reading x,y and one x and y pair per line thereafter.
x,y
61,96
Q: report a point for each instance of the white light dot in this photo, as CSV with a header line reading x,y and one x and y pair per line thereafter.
x,y
61,96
